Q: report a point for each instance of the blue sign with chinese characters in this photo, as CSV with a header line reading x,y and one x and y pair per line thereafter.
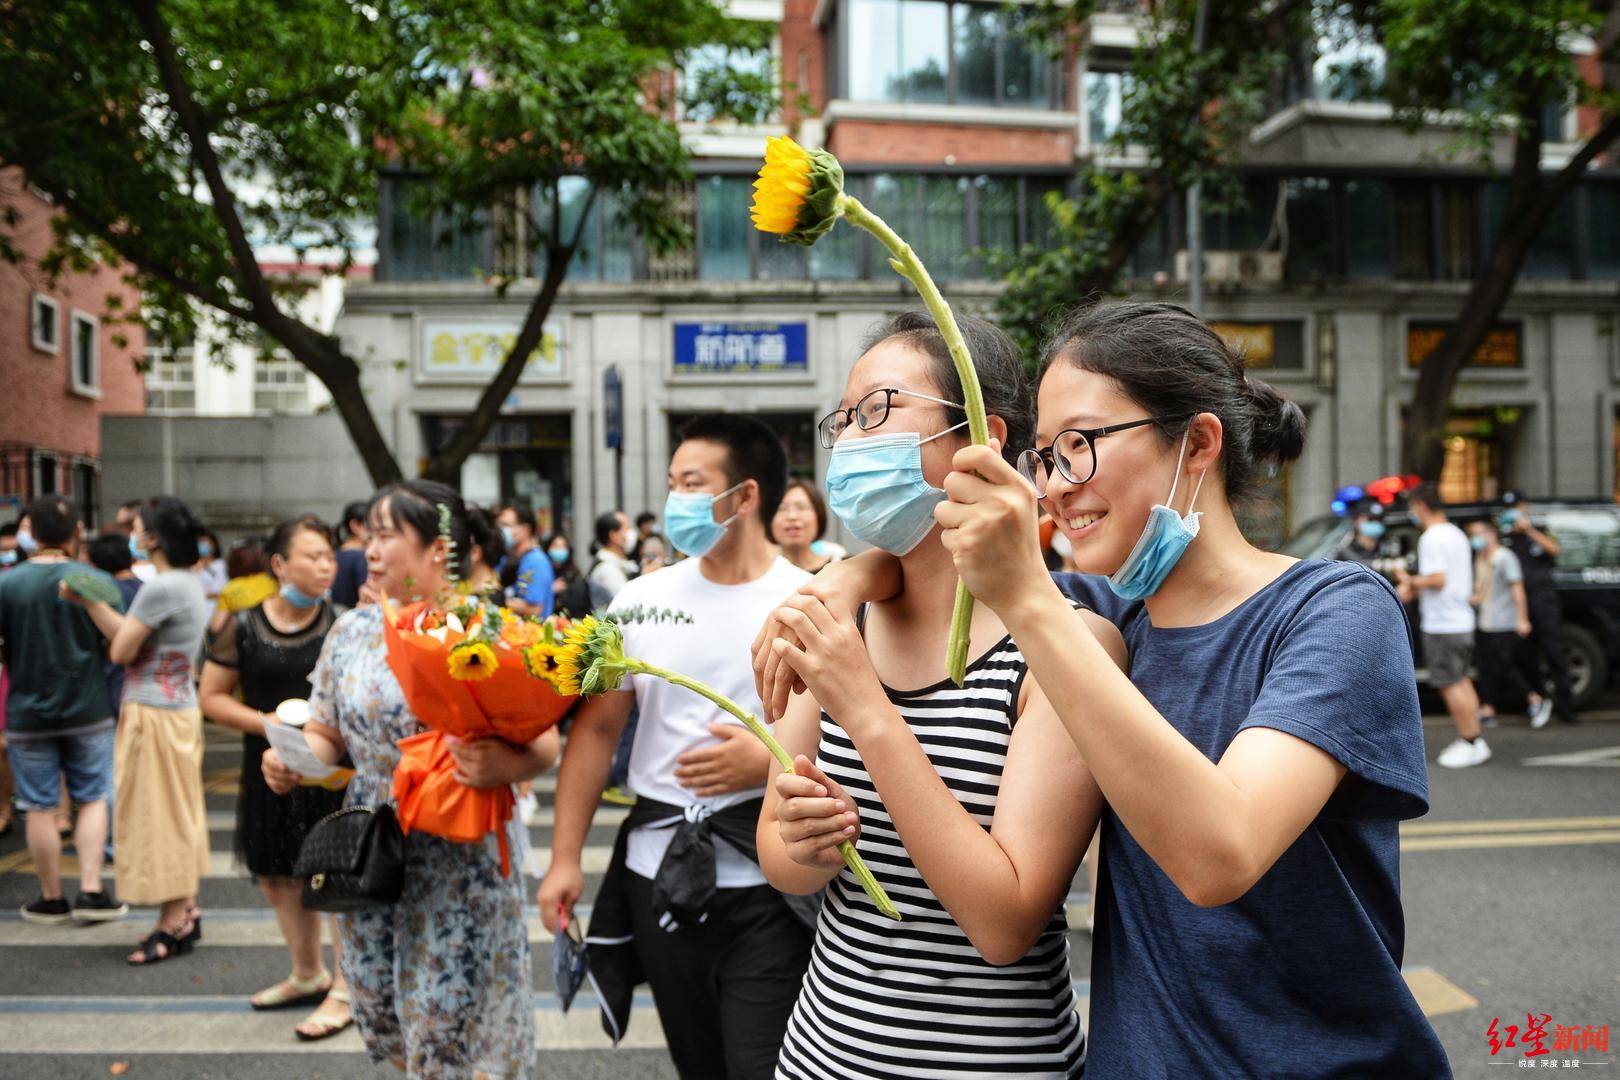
x,y
725,348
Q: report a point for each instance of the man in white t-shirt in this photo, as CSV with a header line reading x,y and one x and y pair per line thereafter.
x,y
725,958
1444,587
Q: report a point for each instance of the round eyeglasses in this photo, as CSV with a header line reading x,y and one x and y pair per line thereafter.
x,y
1074,453
869,412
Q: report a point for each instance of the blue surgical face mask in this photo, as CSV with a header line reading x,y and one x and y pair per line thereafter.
x,y
205,549
135,551
689,520
297,597
508,537
1372,530
27,543
1160,547
876,487
1509,519
1477,543
559,555
8,557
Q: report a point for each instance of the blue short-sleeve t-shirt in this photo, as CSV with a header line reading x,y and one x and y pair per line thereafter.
x,y
534,578
1301,976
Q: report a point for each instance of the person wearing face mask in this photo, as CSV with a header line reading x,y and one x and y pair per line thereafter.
x,y
267,653
969,802
526,571
160,821
211,564
10,549
439,979
1537,552
613,567
724,977
1267,742
1504,621
1365,544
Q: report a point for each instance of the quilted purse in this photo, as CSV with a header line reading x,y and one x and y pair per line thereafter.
x,y
352,860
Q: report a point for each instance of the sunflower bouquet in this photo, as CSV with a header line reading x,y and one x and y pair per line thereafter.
x,y
592,661
799,197
469,669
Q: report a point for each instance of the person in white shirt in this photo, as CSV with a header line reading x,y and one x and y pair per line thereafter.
x,y
724,952
613,568
1444,587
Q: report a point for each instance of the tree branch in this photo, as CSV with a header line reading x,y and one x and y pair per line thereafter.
x,y
250,277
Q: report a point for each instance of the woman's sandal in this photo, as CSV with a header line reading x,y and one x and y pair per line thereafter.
x,y
325,1027
147,947
292,992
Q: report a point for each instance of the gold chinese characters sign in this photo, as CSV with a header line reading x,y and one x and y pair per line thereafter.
x,y
1502,347
1255,342
472,350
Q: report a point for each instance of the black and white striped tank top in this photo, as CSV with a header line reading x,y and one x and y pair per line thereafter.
x,y
914,998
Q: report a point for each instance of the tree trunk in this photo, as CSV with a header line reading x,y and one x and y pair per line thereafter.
x,y
1531,201
340,375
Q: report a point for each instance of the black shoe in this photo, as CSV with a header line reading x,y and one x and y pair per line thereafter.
x,y
96,907
47,912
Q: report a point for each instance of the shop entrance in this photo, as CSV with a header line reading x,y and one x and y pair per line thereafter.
x,y
523,459
1481,447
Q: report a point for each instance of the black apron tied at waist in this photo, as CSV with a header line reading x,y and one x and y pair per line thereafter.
x,y
682,891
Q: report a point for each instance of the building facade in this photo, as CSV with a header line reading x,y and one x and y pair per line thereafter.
x,y
67,358
1353,248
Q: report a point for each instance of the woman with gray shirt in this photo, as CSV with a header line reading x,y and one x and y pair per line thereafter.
x,y
160,822
1504,621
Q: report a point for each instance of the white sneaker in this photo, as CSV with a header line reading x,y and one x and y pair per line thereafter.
x,y
1540,713
1462,754
529,808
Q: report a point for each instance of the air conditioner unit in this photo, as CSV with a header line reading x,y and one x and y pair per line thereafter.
x,y
1236,267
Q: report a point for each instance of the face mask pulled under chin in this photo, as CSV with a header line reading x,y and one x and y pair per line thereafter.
x,y
1164,540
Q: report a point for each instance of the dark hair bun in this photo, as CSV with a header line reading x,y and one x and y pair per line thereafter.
x,y
1279,424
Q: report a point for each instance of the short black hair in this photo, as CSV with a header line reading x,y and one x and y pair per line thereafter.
x,y
1426,495
606,525
414,504
646,517
486,536
525,515
110,553
175,527
8,529
753,452
52,519
281,540
353,512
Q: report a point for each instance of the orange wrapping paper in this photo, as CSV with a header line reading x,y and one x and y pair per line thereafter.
x,y
511,704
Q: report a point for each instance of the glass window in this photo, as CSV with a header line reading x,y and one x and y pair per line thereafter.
x,y
1412,224
1367,209
777,261
723,228
1552,254
1458,219
894,199
1039,227
431,245
1027,75
1586,538
1603,217
943,243
977,40
923,61
46,321
1105,102
1310,228
997,198
897,50
714,66
617,261
86,357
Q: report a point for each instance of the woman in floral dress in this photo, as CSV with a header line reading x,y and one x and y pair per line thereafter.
x,y
440,979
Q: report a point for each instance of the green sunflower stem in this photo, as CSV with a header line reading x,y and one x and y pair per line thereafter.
x,y
852,858
908,266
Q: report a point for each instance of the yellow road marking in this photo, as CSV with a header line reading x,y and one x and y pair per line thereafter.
x,y
1437,995
1548,839
1429,828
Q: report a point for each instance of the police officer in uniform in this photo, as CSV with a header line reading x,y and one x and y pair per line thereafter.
x,y
1538,554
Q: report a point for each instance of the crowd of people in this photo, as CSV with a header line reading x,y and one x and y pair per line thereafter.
x,y
1181,701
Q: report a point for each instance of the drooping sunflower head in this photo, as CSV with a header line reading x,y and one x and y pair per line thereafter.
x,y
798,193
591,660
472,661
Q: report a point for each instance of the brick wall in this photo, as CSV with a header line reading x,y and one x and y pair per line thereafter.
x,y
871,142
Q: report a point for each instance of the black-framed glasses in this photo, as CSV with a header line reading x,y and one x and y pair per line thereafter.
x,y
1074,453
869,412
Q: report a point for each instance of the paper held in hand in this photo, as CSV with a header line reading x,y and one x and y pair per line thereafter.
x,y
289,742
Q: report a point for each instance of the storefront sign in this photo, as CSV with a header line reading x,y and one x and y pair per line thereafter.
x,y
726,348
1274,344
472,350
1503,345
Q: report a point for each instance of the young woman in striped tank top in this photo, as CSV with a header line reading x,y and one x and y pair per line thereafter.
x,y
969,803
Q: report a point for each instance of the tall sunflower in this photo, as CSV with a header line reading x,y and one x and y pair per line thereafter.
x,y
799,194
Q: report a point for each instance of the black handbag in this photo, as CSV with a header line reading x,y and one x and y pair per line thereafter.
x,y
352,860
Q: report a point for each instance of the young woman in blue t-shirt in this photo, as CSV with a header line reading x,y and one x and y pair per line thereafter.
x,y
1267,741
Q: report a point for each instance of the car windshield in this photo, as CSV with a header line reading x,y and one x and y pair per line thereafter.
x,y
1316,539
